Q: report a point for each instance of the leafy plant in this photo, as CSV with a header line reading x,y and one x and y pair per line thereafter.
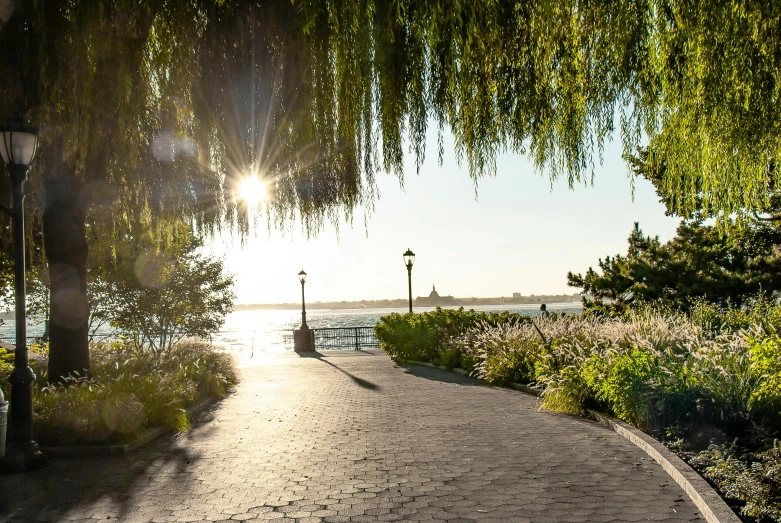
x,y
420,337
754,478
127,393
187,295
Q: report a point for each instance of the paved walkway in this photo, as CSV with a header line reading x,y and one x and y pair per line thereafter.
x,y
356,438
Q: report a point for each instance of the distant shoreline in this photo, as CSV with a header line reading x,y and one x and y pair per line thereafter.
x,y
395,304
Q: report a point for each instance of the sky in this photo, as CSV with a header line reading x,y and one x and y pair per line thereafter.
x,y
518,234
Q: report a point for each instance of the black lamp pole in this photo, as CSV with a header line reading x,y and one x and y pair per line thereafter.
x,y
23,452
302,278
409,259
409,284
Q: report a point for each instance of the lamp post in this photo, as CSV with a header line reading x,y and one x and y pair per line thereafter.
x,y
409,259
302,279
18,143
304,337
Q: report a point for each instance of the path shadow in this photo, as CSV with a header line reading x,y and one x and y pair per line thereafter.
x,y
358,381
65,486
435,374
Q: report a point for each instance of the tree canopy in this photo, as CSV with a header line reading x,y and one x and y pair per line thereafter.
x,y
319,94
155,110
700,263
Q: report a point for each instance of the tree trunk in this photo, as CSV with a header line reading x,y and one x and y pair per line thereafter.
x,y
65,242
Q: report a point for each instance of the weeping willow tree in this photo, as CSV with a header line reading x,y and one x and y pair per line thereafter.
x,y
155,110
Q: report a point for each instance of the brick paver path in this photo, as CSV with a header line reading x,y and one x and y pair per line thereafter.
x,y
356,438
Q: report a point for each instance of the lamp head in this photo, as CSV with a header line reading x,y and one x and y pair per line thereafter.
x,y
302,276
18,142
409,258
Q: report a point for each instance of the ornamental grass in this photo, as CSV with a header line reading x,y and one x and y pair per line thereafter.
x,y
128,393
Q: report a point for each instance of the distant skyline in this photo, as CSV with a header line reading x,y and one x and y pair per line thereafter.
x,y
517,236
296,304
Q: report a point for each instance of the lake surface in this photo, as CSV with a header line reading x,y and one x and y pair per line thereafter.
x,y
262,330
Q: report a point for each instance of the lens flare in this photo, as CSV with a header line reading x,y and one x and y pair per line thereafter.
x,y
253,191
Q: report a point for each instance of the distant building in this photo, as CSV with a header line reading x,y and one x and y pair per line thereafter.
x,y
517,295
434,299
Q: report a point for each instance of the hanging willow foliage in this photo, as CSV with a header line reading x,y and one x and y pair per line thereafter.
x,y
319,95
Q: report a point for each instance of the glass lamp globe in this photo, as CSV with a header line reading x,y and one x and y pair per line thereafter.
x,y
18,142
302,276
409,258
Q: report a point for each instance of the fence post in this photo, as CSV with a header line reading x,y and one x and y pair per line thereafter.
x,y
357,346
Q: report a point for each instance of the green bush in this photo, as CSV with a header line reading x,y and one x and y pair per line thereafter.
x,y
623,383
766,357
655,369
421,336
128,393
754,478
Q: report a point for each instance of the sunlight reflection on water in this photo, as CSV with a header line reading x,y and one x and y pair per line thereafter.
x,y
261,331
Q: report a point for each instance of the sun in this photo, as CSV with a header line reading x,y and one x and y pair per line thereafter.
x,y
253,191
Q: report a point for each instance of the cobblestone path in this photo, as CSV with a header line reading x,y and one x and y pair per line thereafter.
x,y
357,438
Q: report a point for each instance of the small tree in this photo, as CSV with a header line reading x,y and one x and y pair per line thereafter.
x,y
104,299
37,293
188,295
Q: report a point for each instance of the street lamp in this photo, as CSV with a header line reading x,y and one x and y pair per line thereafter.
x,y
18,143
409,259
302,279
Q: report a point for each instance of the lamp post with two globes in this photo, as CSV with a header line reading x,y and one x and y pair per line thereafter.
x,y
18,144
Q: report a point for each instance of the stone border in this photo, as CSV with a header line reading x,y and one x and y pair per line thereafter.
x,y
119,450
705,498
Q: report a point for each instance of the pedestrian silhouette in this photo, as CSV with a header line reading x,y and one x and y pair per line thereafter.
x,y
545,314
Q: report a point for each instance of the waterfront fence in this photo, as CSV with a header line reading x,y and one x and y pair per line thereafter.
x,y
329,338
339,338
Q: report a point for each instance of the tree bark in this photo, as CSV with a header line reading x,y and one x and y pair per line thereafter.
x,y
65,242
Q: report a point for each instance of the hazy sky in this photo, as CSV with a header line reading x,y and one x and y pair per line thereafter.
x,y
518,235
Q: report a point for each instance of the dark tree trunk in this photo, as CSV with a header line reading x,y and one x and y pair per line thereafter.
x,y
64,238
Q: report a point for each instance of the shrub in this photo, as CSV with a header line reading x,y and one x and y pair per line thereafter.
x,y
128,393
508,352
766,357
752,478
649,368
722,372
421,337
623,383
169,299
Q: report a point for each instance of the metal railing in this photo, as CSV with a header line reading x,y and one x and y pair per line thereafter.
x,y
339,338
356,338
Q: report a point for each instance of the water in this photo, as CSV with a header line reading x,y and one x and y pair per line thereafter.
x,y
262,330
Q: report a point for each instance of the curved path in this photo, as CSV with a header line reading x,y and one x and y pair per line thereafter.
x,y
353,437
